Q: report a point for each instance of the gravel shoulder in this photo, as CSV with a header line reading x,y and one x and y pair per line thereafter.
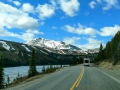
x,y
111,70
113,73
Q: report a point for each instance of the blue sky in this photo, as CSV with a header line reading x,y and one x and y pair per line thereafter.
x,y
85,24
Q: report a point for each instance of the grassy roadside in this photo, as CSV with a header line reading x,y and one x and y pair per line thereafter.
x,y
108,65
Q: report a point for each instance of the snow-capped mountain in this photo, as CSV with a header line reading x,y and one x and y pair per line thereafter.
x,y
55,52
46,51
55,45
17,54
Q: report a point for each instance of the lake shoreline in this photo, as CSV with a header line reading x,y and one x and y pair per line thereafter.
x,y
26,79
15,72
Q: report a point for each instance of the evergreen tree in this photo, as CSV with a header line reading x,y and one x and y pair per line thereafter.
x,y
32,66
100,54
8,80
21,78
101,47
108,50
43,69
18,75
115,44
51,68
1,73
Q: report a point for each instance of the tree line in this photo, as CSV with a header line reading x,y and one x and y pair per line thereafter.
x,y
112,50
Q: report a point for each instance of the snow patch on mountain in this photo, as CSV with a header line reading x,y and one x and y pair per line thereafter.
x,y
43,52
27,49
47,49
33,47
12,47
62,52
4,44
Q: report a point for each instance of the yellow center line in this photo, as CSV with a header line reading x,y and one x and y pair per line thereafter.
x,y
78,80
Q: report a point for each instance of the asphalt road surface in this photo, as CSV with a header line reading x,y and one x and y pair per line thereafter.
x,y
73,78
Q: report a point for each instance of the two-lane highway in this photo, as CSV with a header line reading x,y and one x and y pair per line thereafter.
x,y
72,78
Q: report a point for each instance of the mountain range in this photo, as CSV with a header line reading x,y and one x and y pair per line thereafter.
x,y
16,54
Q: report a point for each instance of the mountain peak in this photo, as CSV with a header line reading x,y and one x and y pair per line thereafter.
x,y
52,44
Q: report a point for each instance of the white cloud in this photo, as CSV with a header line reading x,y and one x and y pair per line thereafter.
x,y
45,11
11,17
27,22
109,4
17,3
34,31
15,21
71,40
92,43
92,4
70,7
106,4
4,32
80,30
28,35
53,3
27,7
25,36
14,18
109,31
105,31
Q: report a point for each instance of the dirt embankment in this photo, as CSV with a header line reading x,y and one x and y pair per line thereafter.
x,y
108,65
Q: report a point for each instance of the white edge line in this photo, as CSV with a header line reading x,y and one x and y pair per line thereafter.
x,y
109,75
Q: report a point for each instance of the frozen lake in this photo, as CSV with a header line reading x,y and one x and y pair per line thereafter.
x,y
12,72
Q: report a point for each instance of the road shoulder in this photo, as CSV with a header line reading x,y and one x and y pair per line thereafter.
x,y
111,73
